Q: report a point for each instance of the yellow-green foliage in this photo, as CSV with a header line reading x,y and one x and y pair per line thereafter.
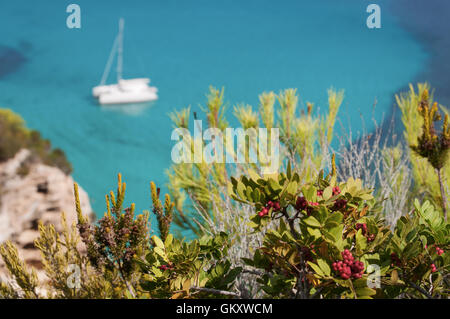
x,y
105,270
158,267
25,279
246,116
14,135
116,240
425,177
163,213
175,269
63,262
305,139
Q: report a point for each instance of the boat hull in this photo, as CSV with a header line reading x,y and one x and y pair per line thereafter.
x,y
127,97
126,91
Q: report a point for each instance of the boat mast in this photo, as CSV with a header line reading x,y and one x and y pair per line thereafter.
x,y
108,64
120,50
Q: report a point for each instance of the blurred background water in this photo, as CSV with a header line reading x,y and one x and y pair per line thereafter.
x,y
47,71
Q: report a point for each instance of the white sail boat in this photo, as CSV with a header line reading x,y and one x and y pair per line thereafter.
x,y
124,91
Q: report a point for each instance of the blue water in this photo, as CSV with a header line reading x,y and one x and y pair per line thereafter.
x,y
184,46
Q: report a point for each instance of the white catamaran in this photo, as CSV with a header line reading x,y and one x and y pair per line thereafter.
x,y
125,91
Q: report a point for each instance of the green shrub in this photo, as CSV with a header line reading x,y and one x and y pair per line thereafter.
x,y
328,236
299,233
325,241
14,135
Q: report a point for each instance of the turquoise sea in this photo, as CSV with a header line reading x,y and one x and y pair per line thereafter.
x,y
247,46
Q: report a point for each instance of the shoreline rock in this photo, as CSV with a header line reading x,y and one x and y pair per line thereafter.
x,y
41,194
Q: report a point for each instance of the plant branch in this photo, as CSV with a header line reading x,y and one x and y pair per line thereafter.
x,y
216,291
444,197
420,289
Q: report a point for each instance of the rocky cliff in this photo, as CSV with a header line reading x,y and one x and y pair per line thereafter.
x,y
31,192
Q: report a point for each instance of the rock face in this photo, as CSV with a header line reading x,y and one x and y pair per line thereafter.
x,y
41,194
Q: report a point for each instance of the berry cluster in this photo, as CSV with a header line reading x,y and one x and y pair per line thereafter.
x,y
363,227
370,237
433,268
265,211
349,268
339,204
439,251
166,267
336,190
395,260
303,204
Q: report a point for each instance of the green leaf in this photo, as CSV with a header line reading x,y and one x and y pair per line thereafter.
x,y
411,235
316,269
315,232
361,241
366,196
240,190
249,193
274,186
336,232
324,266
335,217
160,252
168,240
253,175
327,193
292,188
311,221
309,193
366,291
256,195
230,189
158,242
288,171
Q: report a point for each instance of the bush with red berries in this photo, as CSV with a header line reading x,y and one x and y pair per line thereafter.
x,y
330,242
348,267
323,239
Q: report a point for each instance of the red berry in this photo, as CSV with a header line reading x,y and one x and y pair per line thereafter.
x,y
339,204
349,267
336,190
301,203
439,251
276,206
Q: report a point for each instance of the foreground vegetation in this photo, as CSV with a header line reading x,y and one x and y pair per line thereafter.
x,y
371,225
